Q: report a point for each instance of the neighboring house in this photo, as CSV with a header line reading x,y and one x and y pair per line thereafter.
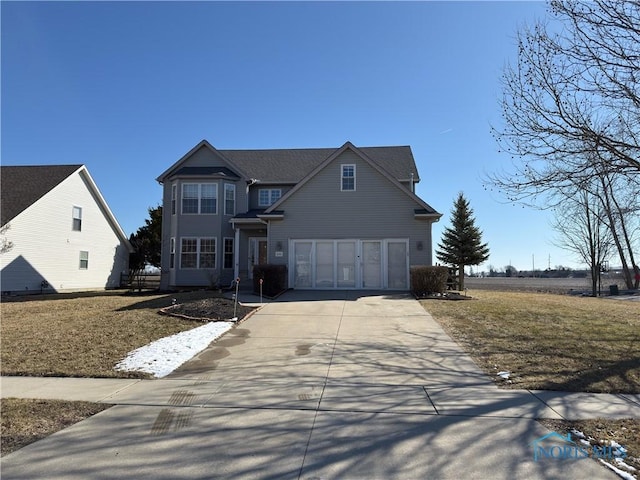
x,y
59,232
339,218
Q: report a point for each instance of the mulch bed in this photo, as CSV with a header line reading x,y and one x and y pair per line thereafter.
x,y
208,310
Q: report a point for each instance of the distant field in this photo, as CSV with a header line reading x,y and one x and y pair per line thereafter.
x,y
553,285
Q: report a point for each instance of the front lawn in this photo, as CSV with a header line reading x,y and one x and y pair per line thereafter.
x,y
546,341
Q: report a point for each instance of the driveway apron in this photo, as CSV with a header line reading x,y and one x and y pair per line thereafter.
x,y
316,385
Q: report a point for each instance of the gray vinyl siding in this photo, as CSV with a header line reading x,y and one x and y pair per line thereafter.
x,y
377,209
180,225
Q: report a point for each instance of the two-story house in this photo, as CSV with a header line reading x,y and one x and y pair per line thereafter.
x,y
339,218
58,233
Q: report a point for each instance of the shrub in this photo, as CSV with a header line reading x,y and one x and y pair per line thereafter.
x,y
426,280
274,279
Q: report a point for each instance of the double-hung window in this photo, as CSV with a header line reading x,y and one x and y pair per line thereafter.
x,y
174,198
172,252
268,196
229,199
208,198
84,260
198,253
199,198
190,194
77,219
348,178
189,253
207,253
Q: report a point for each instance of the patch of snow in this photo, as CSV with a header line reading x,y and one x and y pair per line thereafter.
x,y
621,463
163,356
577,433
504,375
620,473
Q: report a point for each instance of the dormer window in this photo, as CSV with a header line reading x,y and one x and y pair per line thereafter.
x,y
268,196
348,178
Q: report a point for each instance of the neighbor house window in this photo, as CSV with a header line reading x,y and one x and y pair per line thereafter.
x,y
172,252
268,196
229,199
199,198
84,260
198,253
348,178
174,198
228,253
77,219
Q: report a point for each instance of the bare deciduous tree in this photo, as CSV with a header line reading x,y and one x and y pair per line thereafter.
x,y
571,110
5,243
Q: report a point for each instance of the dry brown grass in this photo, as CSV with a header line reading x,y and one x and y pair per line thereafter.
x,y
548,342
83,335
26,421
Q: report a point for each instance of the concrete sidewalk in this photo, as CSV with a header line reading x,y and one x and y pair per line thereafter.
x,y
314,385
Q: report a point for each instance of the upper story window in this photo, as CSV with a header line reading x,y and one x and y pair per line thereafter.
x,y
174,198
268,196
348,180
77,219
229,199
200,198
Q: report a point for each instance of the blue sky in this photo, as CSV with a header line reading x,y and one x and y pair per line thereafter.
x,y
127,88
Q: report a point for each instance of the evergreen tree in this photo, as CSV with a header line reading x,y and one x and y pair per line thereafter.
x,y
147,242
461,243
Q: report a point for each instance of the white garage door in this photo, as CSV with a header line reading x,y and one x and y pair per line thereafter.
x,y
349,264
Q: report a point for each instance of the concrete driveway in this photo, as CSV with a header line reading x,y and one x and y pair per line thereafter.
x,y
322,385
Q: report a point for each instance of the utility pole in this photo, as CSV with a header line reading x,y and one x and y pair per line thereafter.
x,y
533,265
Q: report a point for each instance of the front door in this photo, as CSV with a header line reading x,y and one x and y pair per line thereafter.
x,y
257,252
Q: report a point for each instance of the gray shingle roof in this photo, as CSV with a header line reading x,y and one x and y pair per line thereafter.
x,y
292,165
206,171
22,186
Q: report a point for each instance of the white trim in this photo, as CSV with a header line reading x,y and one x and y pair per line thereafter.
x,y
236,254
270,200
198,252
253,251
358,262
199,198
174,198
74,218
342,177
233,251
233,188
172,252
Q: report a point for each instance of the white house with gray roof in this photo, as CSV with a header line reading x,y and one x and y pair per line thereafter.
x,y
339,218
58,232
